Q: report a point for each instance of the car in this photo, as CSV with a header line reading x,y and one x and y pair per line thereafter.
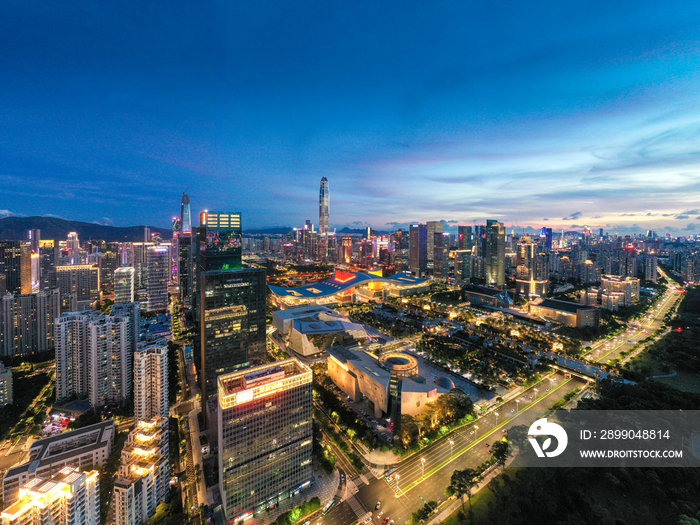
x,y
307,522
380,514
342,475
490,452
386,520
376,507
504,430
488,445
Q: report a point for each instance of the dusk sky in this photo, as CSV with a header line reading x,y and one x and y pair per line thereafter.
x,y
558,114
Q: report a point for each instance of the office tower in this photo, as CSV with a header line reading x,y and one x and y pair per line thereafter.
x,y
495,254
68,497
48,260
73,244
94,354
185,267
441,247
6,393
34,237
143,473
151,380
433,228
124,285
463,267
15,260
27,322
81,279
650,272
418,249
324,208
185,214
601,232
158,264
146,234
265,436
232,302
464,238
546,235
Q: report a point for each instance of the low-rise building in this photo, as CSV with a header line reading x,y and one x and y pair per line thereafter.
x,y
68,497
483,295
392,385
312,329
570,314
82,449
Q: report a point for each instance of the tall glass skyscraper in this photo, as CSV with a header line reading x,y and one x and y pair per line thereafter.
x,y
495,254
265,436
324,208
232,301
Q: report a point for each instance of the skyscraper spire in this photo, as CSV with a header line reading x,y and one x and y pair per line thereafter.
x,y
324,208
185,214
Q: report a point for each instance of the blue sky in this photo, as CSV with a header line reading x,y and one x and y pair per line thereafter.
x,y
558,114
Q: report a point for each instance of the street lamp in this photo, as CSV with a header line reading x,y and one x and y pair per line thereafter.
x,y
476,432
496,418
517,404
422,467
451,445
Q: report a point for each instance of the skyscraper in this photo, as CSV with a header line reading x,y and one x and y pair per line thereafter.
x,y
265,436
232,302
324,204
418,249
15,260
151,380
495,254
185,214
124,289
433,228
464,238
441,250
81,279
158,268
27,322
94,354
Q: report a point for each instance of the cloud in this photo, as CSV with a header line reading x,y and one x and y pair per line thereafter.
x,y
682,217
106,221
452,222
576,226
691,212
6,213
668,215
546,219
573,216
596,217
692,227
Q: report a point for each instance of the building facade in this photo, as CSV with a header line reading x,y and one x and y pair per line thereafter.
x,y
265,436
124,284
151,380
495,254
27,322
6,392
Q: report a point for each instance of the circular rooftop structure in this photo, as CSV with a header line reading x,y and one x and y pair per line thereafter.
x,y
445,382
399,363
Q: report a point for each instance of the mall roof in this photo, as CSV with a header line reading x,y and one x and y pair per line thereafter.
x,y
334,285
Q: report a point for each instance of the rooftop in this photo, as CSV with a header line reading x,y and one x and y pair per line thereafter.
x,y
342,282
564,306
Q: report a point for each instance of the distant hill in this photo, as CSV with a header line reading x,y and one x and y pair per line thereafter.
x,y
16,228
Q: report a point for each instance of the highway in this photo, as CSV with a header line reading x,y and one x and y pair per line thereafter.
x,y
419,482
606,350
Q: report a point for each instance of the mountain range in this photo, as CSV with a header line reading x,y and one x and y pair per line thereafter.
x,y
17,228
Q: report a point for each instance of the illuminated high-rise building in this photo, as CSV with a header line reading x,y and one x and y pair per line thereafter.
x,y
464,238
124,284
232,301
151,380
441,250
80,279
158,268
324,204
265,436
27,322
144,473
94,354
418,249
16,263
73,244
433,227
495,254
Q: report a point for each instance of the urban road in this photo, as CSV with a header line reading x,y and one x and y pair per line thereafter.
x,y
604,351
421,481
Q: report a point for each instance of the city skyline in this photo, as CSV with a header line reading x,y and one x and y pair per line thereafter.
x,y
559,116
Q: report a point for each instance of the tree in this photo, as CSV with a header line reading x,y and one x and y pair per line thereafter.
x,y
499,450
462,482
517,436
